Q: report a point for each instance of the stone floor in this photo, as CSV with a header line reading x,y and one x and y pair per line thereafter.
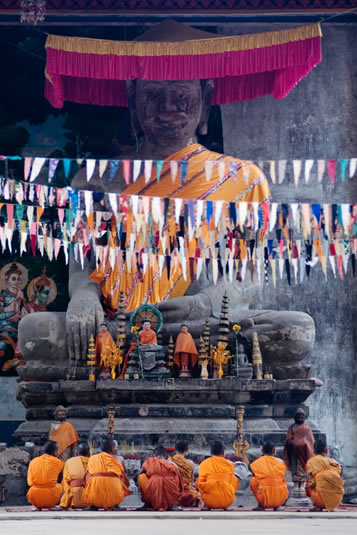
x,y
177,523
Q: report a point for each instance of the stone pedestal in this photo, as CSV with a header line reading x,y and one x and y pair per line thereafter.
x,y
149,412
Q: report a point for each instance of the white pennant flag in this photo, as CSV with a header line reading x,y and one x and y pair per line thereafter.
x,y
281,267
221,169
156,209
36,168
294,209
88,202
102,167
256,214
273,270
308,167
297,171
112,257
113,201
346,217
199,213
161,263
215,270
65,250
23,241
326,208
40,244
90,166
243,209
230,269
173,169
199,267
208,170
218,211
281,170
30,210
321,164
353,166
302,268
345,259
294,262
272,171
144,257
273,215
147,170
333,265
135,205
244,269
81,254
136,169
8,235
178,206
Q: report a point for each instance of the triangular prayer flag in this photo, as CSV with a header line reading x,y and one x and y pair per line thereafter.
x,y
281,170
102,167
321,164
308,167
158,169
272,171
353,166
136,169
184,167
297,171
52,168
173,170
67,166
27,167
36,168
90,166
126,171
208,170
331,166
343,169
114,164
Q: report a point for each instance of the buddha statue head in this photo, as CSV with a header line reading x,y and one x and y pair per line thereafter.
x,y
169,113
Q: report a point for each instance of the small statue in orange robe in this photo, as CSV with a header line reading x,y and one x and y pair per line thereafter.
x,y
104,339
186,354
64,433
147,335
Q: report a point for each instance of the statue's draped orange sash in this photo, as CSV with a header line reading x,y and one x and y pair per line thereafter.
x,y
74,471
326,488
42,478
102,491
268,482
185,344
241,181
147,337
65,436
217,483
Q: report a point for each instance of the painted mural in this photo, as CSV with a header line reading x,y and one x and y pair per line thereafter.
x,y
27,285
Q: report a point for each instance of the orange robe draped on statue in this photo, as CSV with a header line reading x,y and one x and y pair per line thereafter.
x,y
186,345
190,496
42,478
217,483
325,487
147,337
160,484
241,181
268,483
66,437
103,339
74,473
108,483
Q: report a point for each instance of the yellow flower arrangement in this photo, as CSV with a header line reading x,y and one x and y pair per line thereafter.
x,y
134,329
236,328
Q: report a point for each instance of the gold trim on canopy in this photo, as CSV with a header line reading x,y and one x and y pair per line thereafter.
x,y
213,45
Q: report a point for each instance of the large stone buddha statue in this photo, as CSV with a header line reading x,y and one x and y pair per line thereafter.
x,y
166,115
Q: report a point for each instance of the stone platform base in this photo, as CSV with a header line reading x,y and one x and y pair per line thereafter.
x,y
160,412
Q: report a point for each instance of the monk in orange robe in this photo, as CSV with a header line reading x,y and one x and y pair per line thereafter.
x,y
107,484
160,482
74,478
44,478
186,354
64,433
190,496
104,339
216,480
268,483
324,485
298,449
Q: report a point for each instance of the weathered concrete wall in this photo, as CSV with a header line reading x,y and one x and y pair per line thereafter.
x,y
317,120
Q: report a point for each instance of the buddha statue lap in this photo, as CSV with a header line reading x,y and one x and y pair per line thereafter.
x,y
167,114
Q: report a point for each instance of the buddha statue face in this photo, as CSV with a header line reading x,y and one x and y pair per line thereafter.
x,y
300,416
146,325
169,111
60,414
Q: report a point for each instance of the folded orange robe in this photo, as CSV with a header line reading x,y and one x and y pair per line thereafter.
x,y
190,495
217,483
160,484
42,476
108,484
268,483
325,487
74,473
185,344
66,437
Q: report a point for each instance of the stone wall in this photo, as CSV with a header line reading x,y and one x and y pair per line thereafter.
x,y
318,121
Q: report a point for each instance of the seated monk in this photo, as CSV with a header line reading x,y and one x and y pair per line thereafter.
x,y
160,482
324,485
63,433
74,476
268,483
216,480
147,335
44,478
190,497
108,484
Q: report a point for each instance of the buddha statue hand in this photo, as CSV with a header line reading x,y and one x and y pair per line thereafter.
x,y
188,307
83,318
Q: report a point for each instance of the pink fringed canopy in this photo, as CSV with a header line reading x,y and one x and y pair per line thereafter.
x,y
94,71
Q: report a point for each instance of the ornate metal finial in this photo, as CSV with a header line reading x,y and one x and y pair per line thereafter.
x,y
111,416
121,329
240,445
257,358
92,359
223,330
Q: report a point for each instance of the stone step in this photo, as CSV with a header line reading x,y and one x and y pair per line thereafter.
x,y
167,411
